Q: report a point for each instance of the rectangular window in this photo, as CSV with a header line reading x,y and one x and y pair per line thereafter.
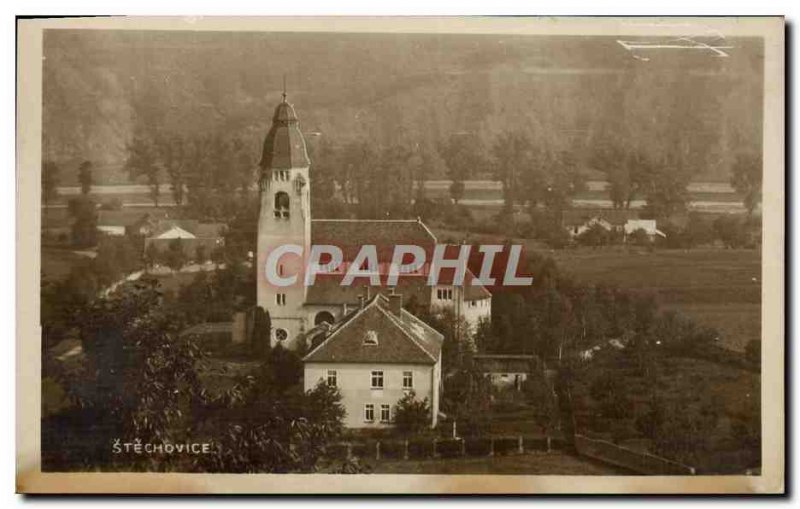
x,y
377,380
369,412
331,378
408,379
385,413
280,299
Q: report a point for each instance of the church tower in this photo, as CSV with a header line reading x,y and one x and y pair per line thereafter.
x,y
285,218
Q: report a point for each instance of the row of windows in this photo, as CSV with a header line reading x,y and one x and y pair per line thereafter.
x,y
369,413
376,379
444,293
280,175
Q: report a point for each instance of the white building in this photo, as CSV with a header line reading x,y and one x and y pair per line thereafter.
x,y
376,355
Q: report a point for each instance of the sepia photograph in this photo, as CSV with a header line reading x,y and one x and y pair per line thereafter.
x,y
458,252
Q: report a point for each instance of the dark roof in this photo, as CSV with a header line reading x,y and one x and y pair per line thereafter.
x,y
327,290
125,217
578,217
351,234
284,146
402,338
196,228
503,363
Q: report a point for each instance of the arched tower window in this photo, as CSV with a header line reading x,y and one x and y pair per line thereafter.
x,y
281,205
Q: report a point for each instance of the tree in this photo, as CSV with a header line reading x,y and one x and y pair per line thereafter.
x,y
746,178
594,236
143,161
50,177
514,164
85,177
84,221
463,154
730,231
173,157
411,414
151,255
175,256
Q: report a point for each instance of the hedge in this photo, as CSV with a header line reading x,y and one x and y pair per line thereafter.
x,y
393,449
506,445
450,448
420,449
478,446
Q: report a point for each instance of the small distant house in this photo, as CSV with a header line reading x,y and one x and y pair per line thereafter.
x,y
122,222
191,234
505,370
376,355
647,225
579,221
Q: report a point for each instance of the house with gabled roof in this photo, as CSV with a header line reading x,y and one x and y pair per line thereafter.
x,y
375,355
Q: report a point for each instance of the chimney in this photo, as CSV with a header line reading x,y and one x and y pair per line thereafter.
x,y
361,301
396,303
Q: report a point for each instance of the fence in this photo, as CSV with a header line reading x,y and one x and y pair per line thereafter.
x,y
600,450
445,448
641,463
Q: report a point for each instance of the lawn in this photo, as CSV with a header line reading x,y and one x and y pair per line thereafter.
x,y
526,464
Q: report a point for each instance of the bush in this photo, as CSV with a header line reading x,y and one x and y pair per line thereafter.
x,y
362,450
336,451
412,415
506,445
478,446
450,448
534,443
420,449
392,449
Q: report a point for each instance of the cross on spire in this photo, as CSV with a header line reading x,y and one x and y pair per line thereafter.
x,y
284,88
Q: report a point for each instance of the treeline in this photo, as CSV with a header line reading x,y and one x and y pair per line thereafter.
x,y
208,174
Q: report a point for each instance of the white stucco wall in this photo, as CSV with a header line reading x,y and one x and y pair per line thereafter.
x,y
354,382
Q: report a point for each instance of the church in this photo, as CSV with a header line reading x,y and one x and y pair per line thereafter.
x,y
285,217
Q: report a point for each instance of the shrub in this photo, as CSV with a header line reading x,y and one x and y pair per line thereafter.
x,y
506,445
534,443
362,450
420,449
392,449
449,448
336,451
412,415
477,446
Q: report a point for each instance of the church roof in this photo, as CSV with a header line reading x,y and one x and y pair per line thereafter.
x,y
284,146
395,338
351,234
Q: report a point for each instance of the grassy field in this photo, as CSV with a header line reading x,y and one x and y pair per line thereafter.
x,y
719,288
526,464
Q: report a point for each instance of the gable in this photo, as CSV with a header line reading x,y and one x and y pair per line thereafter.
x,y
375,335
176,232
